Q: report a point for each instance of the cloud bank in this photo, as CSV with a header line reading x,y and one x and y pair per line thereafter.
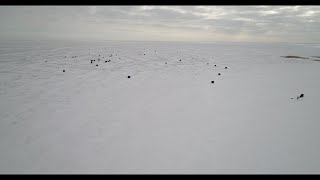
x,y
163,23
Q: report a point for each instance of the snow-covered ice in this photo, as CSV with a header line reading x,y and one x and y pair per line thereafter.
x,y
167,117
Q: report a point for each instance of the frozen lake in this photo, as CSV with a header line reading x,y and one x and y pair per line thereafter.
x,y
167,117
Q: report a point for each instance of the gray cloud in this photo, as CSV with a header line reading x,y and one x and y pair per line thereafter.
x,y
194,23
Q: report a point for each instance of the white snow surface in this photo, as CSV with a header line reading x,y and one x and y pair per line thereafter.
x,y
166,118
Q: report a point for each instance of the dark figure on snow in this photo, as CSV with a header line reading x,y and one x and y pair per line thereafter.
x,y
301,96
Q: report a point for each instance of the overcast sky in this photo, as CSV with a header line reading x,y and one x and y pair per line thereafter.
x,y
162,23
